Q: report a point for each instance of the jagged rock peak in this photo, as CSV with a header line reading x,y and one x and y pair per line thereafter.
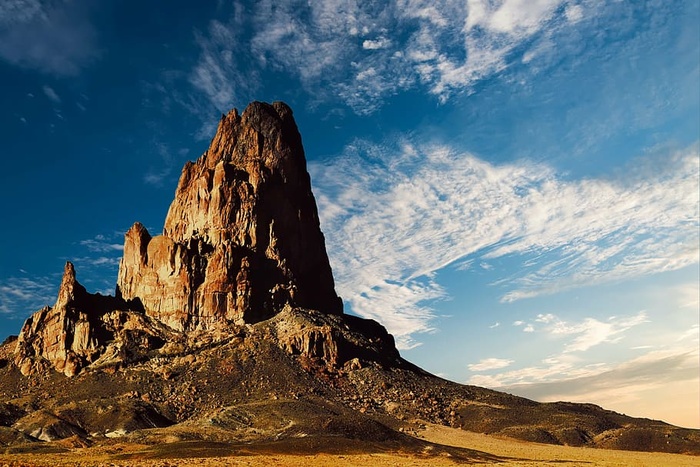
x,y
70,289
273,122
261,148
241,238
60,336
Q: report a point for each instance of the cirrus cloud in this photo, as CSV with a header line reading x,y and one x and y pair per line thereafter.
x,y
53,37
338,48
22,294
490,364
401,213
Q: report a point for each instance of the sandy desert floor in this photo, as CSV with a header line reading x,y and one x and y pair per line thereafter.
x,y
509,453
529,454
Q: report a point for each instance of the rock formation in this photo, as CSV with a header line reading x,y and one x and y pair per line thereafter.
x,y
242,237
61,334
82,328
241,243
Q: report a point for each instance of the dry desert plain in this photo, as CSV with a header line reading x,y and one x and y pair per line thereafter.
x,y
485,450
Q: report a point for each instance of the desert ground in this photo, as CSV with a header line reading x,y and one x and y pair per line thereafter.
x,y
484,449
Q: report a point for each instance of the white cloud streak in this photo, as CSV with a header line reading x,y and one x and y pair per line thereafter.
x,y
100,244
564,376
381,43
101,258
587,333
96,266
157,176
341,48
490,364
52,37
689,296
395,216
667,378
591,332
23,295
51,94
218,72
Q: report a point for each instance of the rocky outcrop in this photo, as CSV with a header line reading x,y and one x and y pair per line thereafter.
x,y
241,243
80,327
45,426
334,340
242,237
62,335
228,326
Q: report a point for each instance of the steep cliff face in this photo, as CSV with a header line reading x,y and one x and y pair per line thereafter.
x,y
242,237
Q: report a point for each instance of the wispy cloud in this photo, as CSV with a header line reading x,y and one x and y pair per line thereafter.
x,y
688,296
156,176
22,295
565,366
692,334
589,332
343,49
215,74
490,364
52,37
571,365
51,94
101,244
397,214
220,73
669,377
98,262
592,332
655,367
380,43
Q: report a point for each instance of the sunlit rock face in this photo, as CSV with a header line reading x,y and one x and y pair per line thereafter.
x,y
242,236
81,329
61,334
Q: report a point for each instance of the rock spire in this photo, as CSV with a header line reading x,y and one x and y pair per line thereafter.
x,y
242,236
241,243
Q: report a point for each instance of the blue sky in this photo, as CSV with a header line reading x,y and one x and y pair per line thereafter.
x,y
511,187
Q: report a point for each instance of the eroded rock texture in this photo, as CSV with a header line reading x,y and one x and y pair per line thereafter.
x,y
242,237
62,334
83,328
